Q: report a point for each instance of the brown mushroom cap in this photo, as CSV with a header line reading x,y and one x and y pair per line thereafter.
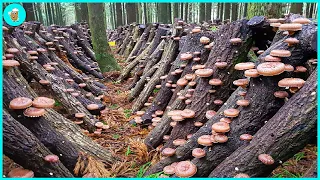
x,y
182,82
270,68
205,140
20,103
99,124
220,127
241,82
235,40
80,115
188,113
177,118
82,85
168,152
281,94
260,52
185,56
243,102
198,66
43,102
226,120
169,170
221,65
244,66
140,113
10,63
179,142
288,68
242,93
156,119
92,106
188,101
21,173
270,58
185,169
219,138
189,76
251,73
173,123
266,159
12,50
204,40
280,53
204,72
231,112
198,124
273,20
301,69
246,137
159,112
174,113
34,112
241,175
51,158
198,153
291,41
138,120
215,82
291,82
290,27
210,114
301,21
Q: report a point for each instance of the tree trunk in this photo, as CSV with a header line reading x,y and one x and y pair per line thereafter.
x,y
234,11
255,9
245,10
24,148
221,11
279,137
202,10
175,10
186,12
77,8
310,13
296,8
274,10
39,10
226,11
99,39
119,15
84,14
208,11
131,12
49,9
30,11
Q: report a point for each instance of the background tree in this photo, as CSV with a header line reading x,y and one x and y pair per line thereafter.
x,y
296,8
131,12
202,12
30,11
101,47
119,14
226,11
208,11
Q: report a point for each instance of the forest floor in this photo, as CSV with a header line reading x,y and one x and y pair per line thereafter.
x,y
125,140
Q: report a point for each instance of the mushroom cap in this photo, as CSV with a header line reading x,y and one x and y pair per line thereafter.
x,y
80,115
276,24
226,120
291,82
220,127
280,53
198,124
290,27
159,112
204,40
173,123
301,21
270,68
243,102
44,82
260,52
168,152
34,112
219,138
246,137
198,153
301,69
185,169
179,142
231,112
138,120
281,94
82,85
251,73
242,93
196,59
288,67
169,170
182,82
12,50
188,101
10,63
185,56
221,65
156,119
188,113
189,76
210,114
192,83
196,30
33,52
270,58
140,113
241,175
244,66
198,66
215,82
273,20
204,72
21,173
291,40
266,159
241,82
51,158
178,71
92,106
177,118
43,102
20,103
174,113
235,40
205,140
163,77
99,124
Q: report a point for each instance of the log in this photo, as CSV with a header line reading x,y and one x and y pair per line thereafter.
x,y
24,148
285,134
140,41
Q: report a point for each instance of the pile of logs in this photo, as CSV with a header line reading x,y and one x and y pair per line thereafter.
x,y
60,60
184,87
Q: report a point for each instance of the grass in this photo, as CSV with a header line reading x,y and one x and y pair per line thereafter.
x,y
57,103
115,136
143,169
128,152
287,174
297,157
214,28
156,90
127,113
114,106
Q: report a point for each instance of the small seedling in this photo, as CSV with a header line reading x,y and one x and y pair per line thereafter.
x,y
115,136
127,113
128,152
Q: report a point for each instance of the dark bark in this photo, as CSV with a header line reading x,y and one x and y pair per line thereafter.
x,y
186,12
175,10
296,8
208,11
221,11
50,13
119,15
287,132
24,148
202,14
30,11
234,11
226,11
245,10
131,12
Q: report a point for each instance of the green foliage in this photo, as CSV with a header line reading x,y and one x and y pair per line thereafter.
x,y
115,136
214,28
114,106
155,175
57,103
156,90
119,91
116,82
143,169
128,152
300,155
287,174
127,113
